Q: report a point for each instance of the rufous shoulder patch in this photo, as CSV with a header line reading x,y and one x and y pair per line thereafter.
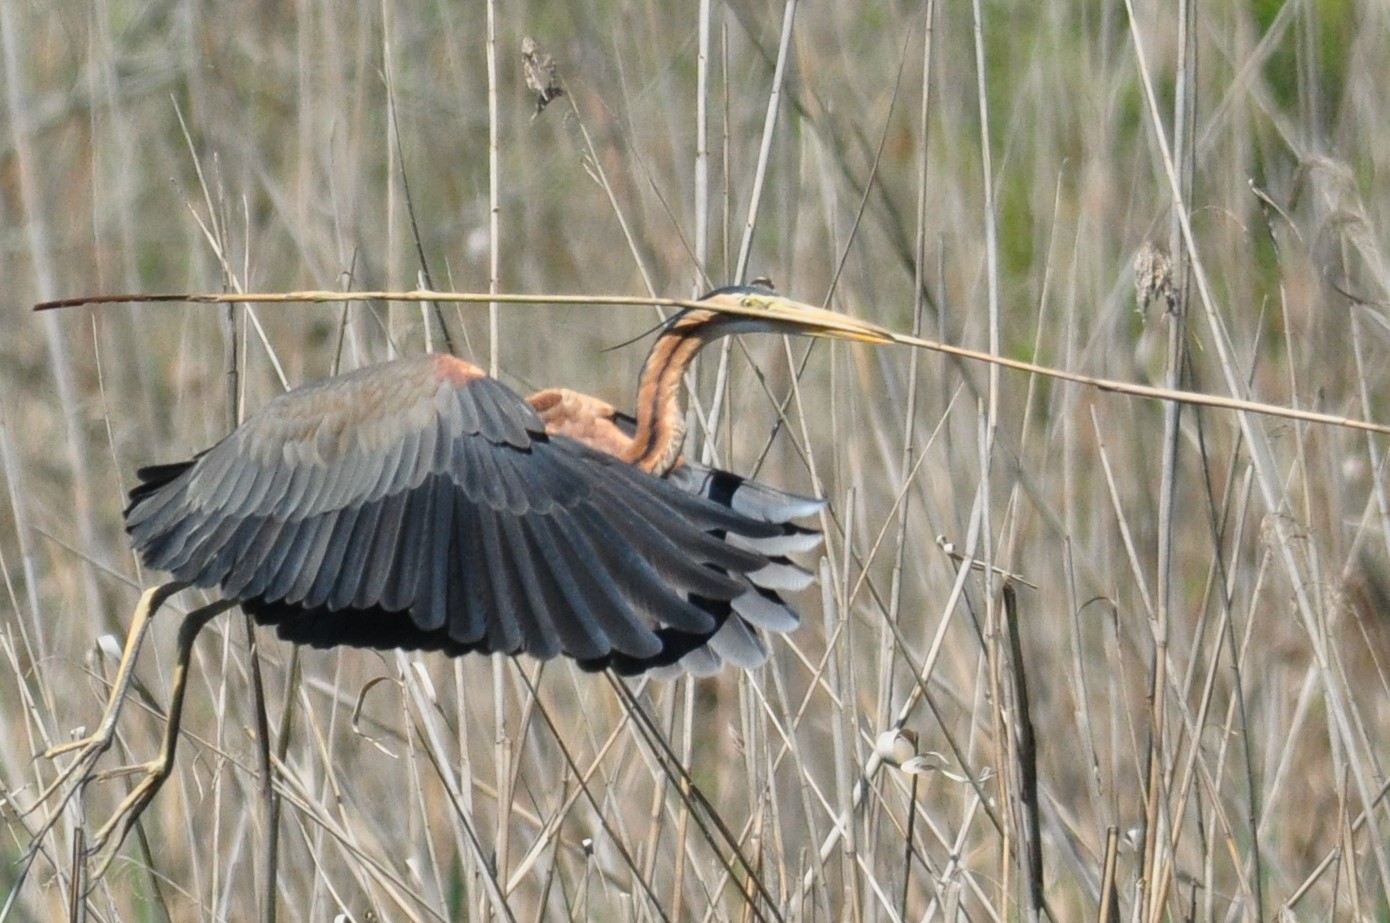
x,y
456,371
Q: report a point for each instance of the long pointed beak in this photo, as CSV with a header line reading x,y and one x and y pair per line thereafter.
x,y
784,315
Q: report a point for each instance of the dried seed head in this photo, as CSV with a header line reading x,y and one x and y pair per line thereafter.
x,y
1153,278
542,75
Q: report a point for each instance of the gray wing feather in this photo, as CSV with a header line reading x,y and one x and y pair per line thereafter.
x,y
260,541
765,609
749,498
575,551
410,551
317,582
295,584
384,551
638,578
737,643
529,582
467,622
282,554
569,607
362,559
431,609
309,542
503,631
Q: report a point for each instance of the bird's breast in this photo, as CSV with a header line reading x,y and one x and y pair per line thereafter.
x,y
580,417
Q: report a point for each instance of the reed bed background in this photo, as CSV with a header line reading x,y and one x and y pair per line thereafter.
x,y
1189,678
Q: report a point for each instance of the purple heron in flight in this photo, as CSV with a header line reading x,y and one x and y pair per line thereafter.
x,y
420,504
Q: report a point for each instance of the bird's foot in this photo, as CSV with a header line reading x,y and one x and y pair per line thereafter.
x,y
104,844
72,776
56,795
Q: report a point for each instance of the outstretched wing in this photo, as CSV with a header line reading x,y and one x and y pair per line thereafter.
x,y
420,504
740,621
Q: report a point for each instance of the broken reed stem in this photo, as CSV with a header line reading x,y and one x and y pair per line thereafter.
x,y
1027,756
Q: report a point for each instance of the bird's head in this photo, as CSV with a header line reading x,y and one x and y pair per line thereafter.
x,y
738,309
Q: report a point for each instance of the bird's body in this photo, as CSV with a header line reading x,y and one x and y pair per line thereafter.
x,y
421,504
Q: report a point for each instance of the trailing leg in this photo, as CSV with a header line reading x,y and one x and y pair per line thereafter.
x,y
109,838
91,747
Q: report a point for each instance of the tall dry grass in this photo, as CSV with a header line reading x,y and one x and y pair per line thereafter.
x,y
1200,649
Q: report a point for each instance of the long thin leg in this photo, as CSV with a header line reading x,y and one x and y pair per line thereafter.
x,y
95,744
110,837
99,741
